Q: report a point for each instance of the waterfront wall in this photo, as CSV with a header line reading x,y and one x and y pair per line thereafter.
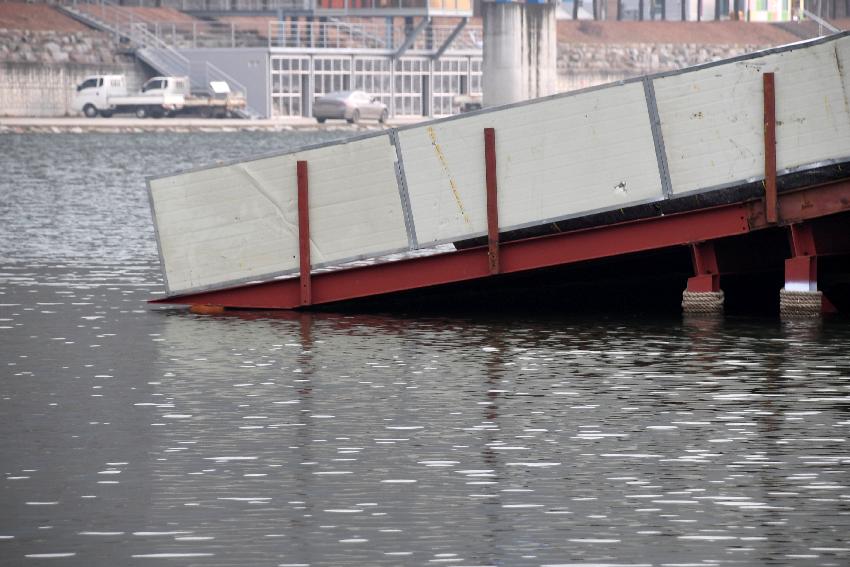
x,y
36,89
39,69
586,64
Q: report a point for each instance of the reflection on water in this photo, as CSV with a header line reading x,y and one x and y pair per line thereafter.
x,y
297,439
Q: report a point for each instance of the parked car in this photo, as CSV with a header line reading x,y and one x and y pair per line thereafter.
x,y
349,105
467,102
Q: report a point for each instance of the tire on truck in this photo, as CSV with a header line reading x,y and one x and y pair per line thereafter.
x,y
90,110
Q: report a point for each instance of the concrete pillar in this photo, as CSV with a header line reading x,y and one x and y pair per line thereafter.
x,y
502,66
540,50
520,42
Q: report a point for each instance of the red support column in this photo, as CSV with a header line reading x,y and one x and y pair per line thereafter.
x,y
492,200
706,275
304,234
770,148
703,294
801,270
800,296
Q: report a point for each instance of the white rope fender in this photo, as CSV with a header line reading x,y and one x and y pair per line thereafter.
x,y
702,301
800,303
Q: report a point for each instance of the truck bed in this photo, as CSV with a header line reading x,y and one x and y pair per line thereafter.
x,y
143,100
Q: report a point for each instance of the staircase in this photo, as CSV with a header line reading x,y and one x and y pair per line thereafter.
x,y
151,48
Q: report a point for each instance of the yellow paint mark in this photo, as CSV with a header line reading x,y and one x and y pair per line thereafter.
x,y
444,163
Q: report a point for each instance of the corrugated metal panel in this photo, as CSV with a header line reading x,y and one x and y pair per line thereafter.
x,y
232,223
557,158
712,118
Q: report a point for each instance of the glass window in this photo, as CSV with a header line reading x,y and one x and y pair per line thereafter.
x,y
88,84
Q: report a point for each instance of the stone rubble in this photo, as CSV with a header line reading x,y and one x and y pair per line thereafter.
x,y
641,58
57,48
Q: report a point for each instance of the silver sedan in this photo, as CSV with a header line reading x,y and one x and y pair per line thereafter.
x,y
349,105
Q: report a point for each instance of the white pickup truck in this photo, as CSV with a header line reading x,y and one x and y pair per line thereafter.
x,y
105,95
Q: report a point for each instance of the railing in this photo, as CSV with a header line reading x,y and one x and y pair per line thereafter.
x,y
179,34
337,34
230,5
331,35
219,5
820,22
363,7
121,23
461,7
190,35
340,35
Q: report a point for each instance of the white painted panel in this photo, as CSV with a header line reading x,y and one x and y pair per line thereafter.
x,y
712,118
236,222
556,158
355,208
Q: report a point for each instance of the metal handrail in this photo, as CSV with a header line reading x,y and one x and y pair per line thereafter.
x,y
337,34
820,22
332,34
357,30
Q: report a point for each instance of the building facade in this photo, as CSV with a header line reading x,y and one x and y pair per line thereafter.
x,y
411,85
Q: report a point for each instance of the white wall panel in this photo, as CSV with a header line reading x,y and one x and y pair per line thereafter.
x,y
555,158
236,222
712,118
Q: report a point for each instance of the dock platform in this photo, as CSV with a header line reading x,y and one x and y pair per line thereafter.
x,y
682,159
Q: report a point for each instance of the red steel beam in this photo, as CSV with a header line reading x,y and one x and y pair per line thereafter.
x,y
305,266
706,274
804,204
769,147
802,240
530,254
492,200
801,269
832,235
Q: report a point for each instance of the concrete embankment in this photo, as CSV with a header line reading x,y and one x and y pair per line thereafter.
x,y
132,125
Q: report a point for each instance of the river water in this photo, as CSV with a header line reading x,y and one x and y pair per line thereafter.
x,y
133,435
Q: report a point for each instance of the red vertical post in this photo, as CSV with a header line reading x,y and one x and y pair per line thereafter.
x,y
304,234
801,273
801,269
706,274
769,148
492,200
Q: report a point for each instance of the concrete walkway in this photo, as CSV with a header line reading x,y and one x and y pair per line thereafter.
x,y
128,124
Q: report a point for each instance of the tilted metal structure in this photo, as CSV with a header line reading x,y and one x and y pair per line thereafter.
x,y
651,140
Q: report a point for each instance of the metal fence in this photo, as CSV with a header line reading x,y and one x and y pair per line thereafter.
x,y
372,35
